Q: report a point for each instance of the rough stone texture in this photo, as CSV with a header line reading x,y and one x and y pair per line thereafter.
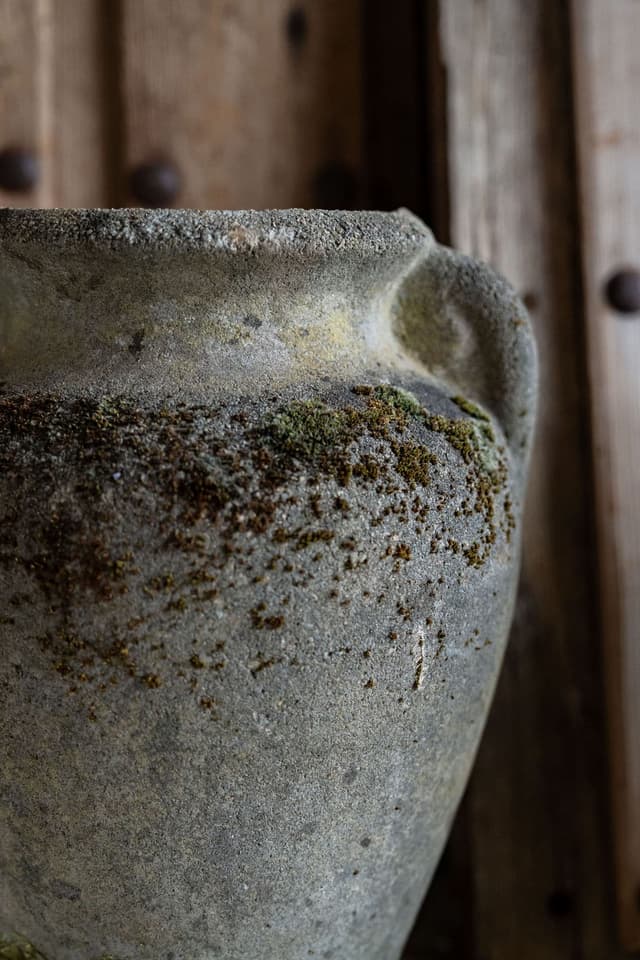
x,y
257,568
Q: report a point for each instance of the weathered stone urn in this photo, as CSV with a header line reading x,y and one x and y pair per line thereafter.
x,y
260,489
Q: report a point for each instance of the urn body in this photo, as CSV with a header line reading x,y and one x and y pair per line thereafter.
x,y
260,490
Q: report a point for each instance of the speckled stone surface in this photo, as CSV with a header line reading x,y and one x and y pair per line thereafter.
x,y
260,491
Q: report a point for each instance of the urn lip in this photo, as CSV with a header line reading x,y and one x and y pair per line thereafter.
x,y
292,233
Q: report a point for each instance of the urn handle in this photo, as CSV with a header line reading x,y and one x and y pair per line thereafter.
x,y
467,326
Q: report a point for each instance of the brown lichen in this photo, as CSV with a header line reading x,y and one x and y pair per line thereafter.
x,y
151,680
211,478
262,621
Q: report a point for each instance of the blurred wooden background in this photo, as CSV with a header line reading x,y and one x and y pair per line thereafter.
x,y
512,127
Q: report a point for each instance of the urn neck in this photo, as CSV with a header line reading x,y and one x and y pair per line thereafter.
x,y
173,301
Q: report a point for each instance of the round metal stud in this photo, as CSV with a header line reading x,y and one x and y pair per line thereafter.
x,y
335,188
622,291
155,184
297,27
19,169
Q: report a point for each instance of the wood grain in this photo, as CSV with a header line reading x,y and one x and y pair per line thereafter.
x,y
254,112
26,117
607,80
536,820
84,161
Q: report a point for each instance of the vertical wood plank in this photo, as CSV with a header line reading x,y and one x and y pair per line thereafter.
x,y
395,135
256,104
84,158
536,815
607,80
444,926
25,82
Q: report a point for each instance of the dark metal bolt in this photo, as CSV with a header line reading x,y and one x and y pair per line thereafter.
x,y
335,188
155,184
297,27
559,903
19,169
623,291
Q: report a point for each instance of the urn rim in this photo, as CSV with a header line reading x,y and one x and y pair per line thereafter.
x,y
289,233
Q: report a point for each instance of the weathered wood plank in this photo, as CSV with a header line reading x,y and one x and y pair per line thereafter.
x,y
25,83
444,927
395,131
84,159
255,104
535,818
607,80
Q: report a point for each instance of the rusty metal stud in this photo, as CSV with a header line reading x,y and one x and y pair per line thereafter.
x,y
623,291
19,169
297,27
155,184
335,188
560,903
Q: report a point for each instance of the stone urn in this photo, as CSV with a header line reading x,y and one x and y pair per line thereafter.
x,y
260,491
